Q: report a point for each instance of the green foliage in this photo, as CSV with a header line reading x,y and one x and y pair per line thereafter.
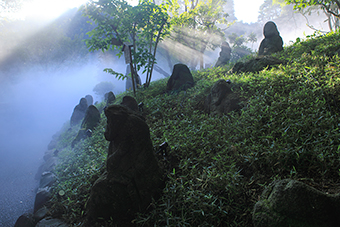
x,y
330,7
195,25
275,10
239,50
217,167
142,26
116,74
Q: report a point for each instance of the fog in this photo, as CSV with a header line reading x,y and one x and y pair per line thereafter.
x,y
36,102
31,110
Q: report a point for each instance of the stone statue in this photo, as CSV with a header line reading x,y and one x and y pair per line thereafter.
x,y
221,99
293,203
272,42
130,102
132,177
225,55
180,79
78,112
91,120
89,99
109,98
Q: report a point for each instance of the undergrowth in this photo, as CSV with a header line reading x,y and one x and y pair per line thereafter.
x,y
217,167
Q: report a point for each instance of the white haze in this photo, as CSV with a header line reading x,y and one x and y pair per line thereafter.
x,y
31,111
40,102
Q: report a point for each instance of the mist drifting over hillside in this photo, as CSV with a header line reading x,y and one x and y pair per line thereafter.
x,y
33,109
41,82
45,69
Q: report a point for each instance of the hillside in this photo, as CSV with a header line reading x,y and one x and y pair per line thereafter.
x,y
217,167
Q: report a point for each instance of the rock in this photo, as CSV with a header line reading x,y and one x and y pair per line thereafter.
x,y
180,79
221,99
48,165
109,98
25,220
43,195
132,177
40,214
130,102
91,119
272,42
256,65
51,222
225,55
293,203
47,179
48,154
89,99
53,144
79,112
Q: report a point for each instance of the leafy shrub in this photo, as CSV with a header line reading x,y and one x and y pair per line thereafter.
x,y
217,167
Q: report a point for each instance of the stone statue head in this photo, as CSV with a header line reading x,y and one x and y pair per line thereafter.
x,y
116,117
83,102
270,30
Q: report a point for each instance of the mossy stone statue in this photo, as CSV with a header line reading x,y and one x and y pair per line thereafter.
x,y
132,177
292,203
180,79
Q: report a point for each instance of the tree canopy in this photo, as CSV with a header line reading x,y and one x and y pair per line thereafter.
x,y
330,7
141,26
197,24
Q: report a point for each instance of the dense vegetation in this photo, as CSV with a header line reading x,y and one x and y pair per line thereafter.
x,y
218,166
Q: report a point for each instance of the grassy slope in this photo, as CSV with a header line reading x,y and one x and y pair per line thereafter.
x,y
288,128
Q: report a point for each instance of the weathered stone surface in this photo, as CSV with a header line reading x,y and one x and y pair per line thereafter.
x,y
221,99
225,55
292,203
25,220
130,102
91,120
78,112
40,214
180,79
51,222
48,165
133,176
272,41
52,144
49,154
89,99
109,98
47,179
256,65
43,195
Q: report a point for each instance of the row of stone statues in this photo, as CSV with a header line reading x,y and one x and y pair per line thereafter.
x,y
271,43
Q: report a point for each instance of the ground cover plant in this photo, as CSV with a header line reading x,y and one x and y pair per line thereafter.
x,y
217,167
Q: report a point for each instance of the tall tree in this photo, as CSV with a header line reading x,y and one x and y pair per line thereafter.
x,y
330,7
252,38
142,26
195,24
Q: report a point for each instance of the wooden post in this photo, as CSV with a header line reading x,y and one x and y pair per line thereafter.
x,y
132,73
128,60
